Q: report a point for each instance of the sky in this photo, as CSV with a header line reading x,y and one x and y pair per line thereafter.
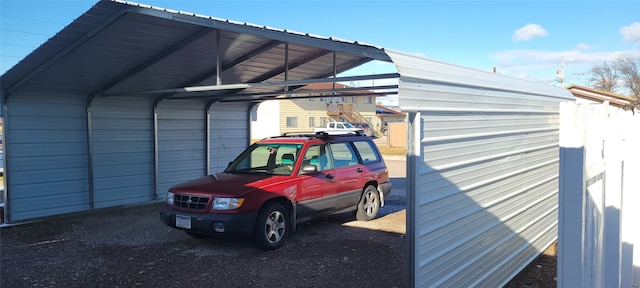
x,y
524,39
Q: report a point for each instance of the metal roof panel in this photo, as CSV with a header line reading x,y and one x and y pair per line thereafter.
x,y
119,46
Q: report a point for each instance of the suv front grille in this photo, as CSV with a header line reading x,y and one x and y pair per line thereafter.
x,y
190,202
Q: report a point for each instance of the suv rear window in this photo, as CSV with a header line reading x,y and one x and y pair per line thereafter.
x,y
366,151
343,154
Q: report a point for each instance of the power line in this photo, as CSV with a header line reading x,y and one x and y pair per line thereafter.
x,y
18,45
24,32
29,19
10,56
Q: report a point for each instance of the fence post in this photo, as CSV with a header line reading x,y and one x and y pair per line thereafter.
x,y
613,198
571,198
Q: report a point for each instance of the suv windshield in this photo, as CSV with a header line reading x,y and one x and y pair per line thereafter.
x,y
269,159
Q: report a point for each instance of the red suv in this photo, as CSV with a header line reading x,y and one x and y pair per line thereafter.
x,y
280,181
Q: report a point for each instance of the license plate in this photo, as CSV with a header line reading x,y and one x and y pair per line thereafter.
x,y
183,222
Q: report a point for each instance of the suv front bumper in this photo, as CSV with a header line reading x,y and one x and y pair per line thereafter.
x,y
203,223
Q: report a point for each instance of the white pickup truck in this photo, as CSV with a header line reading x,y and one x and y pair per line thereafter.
x,y
338,128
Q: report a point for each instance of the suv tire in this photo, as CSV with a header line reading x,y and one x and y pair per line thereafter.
x,y
369,204
272,226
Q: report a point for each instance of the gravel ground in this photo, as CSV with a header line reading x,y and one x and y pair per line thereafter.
x,y
131,248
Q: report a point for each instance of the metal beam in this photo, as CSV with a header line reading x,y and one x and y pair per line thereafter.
x,y
253,85
181,44
352,48
156,152
208,135
274,72
327,75
282,97
90,150
365,90
218,70
6,166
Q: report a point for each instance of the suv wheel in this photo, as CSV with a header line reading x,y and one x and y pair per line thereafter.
x,y
272,226
369,204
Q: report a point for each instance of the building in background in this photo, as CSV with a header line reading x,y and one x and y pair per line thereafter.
x,y
275,117
590,95
388,115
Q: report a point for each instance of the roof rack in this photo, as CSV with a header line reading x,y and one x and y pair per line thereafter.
x,y
298,134
321,134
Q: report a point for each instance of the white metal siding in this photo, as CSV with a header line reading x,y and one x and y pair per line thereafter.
x,y
482,172
229,133
181,143
46,153
122,133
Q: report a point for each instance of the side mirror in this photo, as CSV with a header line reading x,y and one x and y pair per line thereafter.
x,y
308,169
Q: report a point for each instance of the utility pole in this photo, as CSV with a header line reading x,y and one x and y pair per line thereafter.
x,y
560,73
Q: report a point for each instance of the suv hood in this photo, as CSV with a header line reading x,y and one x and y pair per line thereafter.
x,y
227,184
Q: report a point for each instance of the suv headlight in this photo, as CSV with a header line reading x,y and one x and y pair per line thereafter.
x,y
224,203
170,197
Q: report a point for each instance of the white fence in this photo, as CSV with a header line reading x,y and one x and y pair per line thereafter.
x,y
598,237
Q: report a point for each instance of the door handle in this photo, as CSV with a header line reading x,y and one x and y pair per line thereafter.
x,y
359,170
329,176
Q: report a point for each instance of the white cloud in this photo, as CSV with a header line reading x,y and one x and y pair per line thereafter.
x,y
542,65
529,32
390,100
631,33
583,47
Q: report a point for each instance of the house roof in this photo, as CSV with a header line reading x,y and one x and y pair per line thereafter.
x,y
624,102
388,112
120,48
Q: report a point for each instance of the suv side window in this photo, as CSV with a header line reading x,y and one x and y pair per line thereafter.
x,y
343,154
367,153
318,155
275,159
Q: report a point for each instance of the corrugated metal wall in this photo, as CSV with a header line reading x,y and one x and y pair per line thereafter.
x,y
229,133
122,146
181,143
49,161
482,172
46,155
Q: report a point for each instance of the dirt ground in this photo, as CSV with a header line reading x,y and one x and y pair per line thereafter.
x,y
132,248
540,273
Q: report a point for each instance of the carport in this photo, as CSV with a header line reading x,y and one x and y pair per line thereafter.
x,y
130,99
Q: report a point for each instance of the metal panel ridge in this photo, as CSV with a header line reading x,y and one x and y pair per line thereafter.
x,y
285,35
436,72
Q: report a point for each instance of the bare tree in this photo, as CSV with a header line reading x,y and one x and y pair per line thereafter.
x,y
629,69
604,77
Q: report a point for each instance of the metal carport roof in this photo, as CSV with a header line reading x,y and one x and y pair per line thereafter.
x,y
119,48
